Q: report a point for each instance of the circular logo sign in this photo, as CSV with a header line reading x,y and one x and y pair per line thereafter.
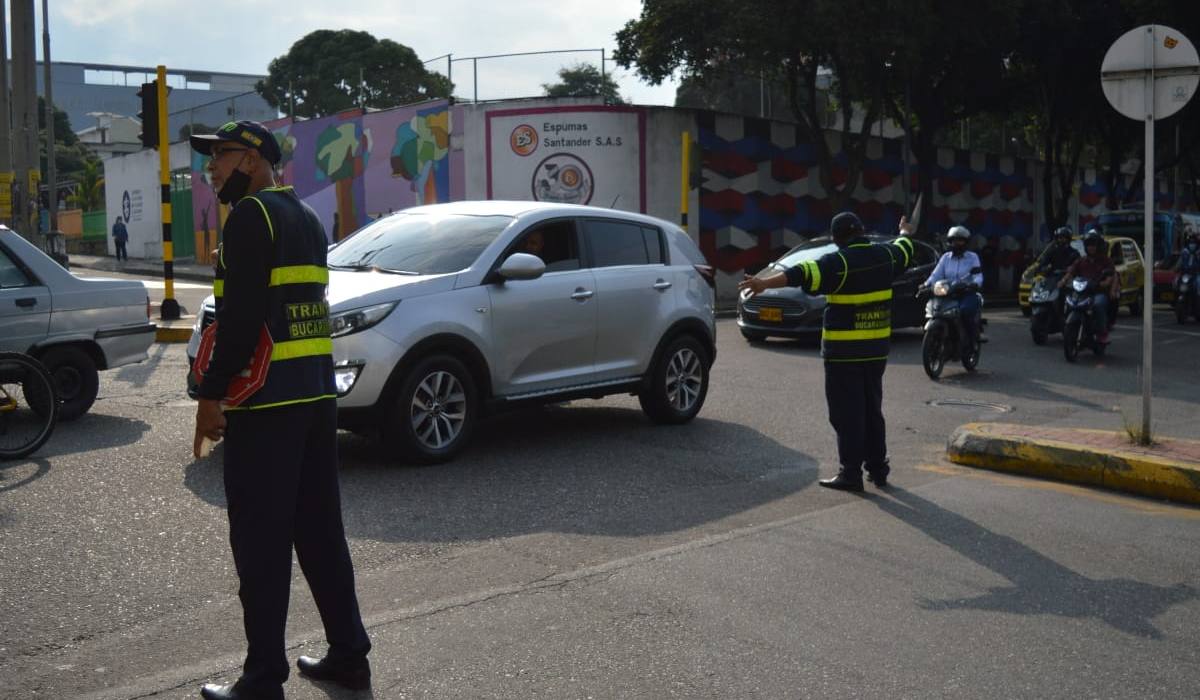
x,y
563,178
126,206
523,140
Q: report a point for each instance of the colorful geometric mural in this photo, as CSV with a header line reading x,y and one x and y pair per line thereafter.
x,y
761,193
352,168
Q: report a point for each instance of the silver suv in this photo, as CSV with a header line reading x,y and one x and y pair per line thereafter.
x,y
443,313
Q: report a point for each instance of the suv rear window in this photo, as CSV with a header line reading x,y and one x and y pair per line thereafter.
x,y
621,243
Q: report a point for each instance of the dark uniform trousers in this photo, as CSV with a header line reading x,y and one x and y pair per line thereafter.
x,y
854,393
282,487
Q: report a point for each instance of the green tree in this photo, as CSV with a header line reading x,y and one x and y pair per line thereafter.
x,y
792,42
89,191
329,71
584,80
70,154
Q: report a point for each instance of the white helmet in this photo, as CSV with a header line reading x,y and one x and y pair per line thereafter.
x,y
958,232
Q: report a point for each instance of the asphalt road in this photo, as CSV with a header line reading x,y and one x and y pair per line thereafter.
x,y
578,551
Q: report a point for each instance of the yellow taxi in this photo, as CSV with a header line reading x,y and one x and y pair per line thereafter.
x,y
1126,257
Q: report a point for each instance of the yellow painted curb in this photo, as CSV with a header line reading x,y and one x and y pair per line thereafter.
x,y
177,334
986,445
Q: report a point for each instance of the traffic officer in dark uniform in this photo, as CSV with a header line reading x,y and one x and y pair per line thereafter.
x,y
281,479
856,280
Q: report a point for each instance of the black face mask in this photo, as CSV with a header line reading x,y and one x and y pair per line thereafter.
x,y
235,187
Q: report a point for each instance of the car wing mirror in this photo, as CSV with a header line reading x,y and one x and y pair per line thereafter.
x,y
521,266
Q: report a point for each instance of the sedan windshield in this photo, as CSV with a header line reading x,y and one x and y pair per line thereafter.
x,y
802,253
418,244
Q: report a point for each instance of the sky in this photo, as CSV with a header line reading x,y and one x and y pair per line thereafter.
x,y
243,36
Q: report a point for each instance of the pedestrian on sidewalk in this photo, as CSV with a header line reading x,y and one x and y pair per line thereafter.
x,y
856,280
281,481
120,236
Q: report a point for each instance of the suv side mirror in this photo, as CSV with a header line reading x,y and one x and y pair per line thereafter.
x,y
521,266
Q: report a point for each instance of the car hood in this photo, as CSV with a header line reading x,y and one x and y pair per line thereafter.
x,y
789,293
351,289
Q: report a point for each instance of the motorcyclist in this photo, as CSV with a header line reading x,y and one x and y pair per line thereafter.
x,y
1097,267
961,265
1189,257
1059,255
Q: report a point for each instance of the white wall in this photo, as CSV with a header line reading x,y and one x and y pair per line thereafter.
x,y
136,174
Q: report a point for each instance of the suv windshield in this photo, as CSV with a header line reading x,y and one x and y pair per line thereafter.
x,y
418,244
805,251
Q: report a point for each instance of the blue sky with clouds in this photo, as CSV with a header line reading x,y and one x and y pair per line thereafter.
x,y
243,36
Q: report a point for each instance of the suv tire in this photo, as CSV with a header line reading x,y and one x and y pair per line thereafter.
x,y
677,384
435,411
75,379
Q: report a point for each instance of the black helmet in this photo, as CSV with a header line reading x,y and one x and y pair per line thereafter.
x,y
1093,237
846,223
1062,232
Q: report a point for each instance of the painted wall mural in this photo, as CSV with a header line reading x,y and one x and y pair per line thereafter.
x,y
352,168
761,193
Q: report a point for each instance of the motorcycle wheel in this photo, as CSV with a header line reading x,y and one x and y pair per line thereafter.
x,y
932,357
1039,329
971,360
1071,340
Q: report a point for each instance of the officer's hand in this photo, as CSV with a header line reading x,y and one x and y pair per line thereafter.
x,y
751,286
210,423
905,226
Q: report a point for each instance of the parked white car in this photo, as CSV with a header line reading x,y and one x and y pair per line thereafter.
x,y
442,313
75,326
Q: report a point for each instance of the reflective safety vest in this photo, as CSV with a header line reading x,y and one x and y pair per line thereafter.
x,y
857,283
301,368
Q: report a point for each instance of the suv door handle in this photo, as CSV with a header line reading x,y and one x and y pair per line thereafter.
x,y
582,294
27,302
661,284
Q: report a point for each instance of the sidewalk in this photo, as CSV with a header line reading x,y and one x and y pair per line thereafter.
x,y
186,271
1169,468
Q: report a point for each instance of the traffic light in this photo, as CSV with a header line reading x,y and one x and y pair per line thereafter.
x,y
149,114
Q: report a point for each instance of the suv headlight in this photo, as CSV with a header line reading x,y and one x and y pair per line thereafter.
x,y
355,320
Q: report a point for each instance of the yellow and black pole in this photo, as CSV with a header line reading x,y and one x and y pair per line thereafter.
x,y
170,307
684,179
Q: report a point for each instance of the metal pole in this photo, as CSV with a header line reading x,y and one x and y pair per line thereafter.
x,y
603,75
51,166
169,311
450,72
1147,247
475,77
24,118
6,166
685,169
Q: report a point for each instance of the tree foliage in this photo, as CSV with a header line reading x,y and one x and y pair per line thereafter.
x,y
584,80
327,71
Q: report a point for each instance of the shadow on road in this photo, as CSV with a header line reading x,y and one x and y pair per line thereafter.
x,y
1041,586
14,475
94,431
593,470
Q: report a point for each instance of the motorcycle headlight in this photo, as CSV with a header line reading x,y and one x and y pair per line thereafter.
x,y
941,288
355,320
1079,284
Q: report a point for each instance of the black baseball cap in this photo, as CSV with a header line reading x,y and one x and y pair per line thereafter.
x,y
245,132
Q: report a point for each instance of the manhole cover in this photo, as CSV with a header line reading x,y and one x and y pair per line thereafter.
x,y
967,403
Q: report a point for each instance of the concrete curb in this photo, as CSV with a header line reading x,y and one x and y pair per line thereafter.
x,y
986,445
173,334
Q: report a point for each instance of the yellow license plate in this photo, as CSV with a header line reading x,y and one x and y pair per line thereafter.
x,y
770,314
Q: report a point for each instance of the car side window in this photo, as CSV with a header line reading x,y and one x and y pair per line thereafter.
x,y
10,274
923,255
616,243
554,242
1116,254
654,244
1127,248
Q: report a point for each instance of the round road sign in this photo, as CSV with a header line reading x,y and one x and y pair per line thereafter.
x,y
1155,50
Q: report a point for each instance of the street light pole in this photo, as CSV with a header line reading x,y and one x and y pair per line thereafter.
x,y
51,166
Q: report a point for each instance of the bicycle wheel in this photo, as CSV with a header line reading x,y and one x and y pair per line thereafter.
x,y
28,405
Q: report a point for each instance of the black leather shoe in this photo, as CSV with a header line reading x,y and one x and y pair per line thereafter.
x,y
842,483
237,691
353,675
879,477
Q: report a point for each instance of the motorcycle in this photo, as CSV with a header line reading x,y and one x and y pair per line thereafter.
x,y
945,335
1045,300
1079,330
1186,302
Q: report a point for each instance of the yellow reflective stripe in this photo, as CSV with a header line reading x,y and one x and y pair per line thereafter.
x,y
872,334
270,226
845,272
291,349
219,288
866,298
280,403
299,274
814,273
905,245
